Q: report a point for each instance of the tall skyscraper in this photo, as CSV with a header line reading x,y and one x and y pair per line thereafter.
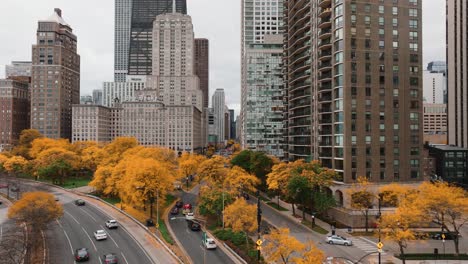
x,y
202,67
355,87
457,58
261,78
18,68
219,104
97,97
134,34
55,84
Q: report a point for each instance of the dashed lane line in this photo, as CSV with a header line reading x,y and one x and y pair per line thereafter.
x,y
95,248
108,234
73,217
124,257
89,214
66,235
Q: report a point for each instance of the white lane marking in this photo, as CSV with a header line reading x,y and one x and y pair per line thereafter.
x,y
1,232
141,247
66,235
124,257
89,214
108,234
73,218
95,248
45,248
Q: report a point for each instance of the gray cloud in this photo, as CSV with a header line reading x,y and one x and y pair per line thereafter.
x,y
217,20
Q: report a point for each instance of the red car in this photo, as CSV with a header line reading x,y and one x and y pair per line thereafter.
x,y
188,206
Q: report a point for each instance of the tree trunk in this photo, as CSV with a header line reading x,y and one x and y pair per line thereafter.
x,y
294,210
402,253
456,241
303,212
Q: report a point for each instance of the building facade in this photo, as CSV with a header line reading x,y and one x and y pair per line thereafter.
x,y
450,163
457,63
260,20
14,111
91,123
219,104
97,97
18,68
202,67
354,87
55,82
142,14
120,91
262,97
232,127
86,99
435,123
434,87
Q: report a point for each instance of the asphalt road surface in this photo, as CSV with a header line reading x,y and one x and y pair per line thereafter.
x,y
192,240
75,230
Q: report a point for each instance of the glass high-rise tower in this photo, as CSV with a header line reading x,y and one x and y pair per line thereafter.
x,y
133,34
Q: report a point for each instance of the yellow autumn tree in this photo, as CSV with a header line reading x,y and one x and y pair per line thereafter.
x,y
281,246
311,255
146,179
36,209
213,170
91,157
100,177
241,217
237,179
447,205
56,164
42,144
188,164
3,159
362,198
115,150
15,165
26,138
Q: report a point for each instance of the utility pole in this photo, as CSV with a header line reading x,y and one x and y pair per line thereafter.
x,y
379,216
259,221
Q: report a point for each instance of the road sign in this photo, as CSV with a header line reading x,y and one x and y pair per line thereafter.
x,y
259,242
157,225
443,236
259,247
380,250
380,245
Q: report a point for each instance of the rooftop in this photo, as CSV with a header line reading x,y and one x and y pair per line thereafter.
x,y
448,147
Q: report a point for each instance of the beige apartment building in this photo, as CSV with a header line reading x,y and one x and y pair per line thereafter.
x,y
55,76
354,87
91,123
435,123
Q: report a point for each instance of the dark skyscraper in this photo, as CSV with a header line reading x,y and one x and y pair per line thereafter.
x,y
143,12
202,68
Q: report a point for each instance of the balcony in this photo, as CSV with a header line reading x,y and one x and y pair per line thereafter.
x,y
325,33
325,12
325,3
324,23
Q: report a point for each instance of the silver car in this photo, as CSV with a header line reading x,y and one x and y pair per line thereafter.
x,y
338,240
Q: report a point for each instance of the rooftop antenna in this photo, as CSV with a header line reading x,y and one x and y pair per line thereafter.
x,y
173,6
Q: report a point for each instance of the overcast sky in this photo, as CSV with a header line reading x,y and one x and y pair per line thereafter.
x,y
217,20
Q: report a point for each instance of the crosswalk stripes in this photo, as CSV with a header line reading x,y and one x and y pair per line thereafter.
x,y
365,245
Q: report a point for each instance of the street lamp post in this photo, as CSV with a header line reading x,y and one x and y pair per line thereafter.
x,y
379,215
259,221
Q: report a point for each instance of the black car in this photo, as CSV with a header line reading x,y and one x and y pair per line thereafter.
x,y
175,211
110,258
80,202
179,204
81,254
194,226
448,236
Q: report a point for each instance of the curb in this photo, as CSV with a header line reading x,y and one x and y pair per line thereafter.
x,y
234,257
169,228
123,212
234,253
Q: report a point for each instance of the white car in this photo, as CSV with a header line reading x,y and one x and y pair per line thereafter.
x,y
338,240
209,243
189,216
100,235
112,224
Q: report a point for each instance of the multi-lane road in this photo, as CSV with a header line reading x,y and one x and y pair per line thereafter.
x,y
75,230
192,240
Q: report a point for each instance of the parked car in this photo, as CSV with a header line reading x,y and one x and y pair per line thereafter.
x,y
179,204
1,202
110,258
14,189
175,211
338,240
189,216
246,196
112,224
100,235
81,254
209,243
194,226
448,236
188,206
80,202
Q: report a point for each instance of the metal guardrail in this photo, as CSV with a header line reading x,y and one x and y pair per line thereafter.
x,y
234,253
